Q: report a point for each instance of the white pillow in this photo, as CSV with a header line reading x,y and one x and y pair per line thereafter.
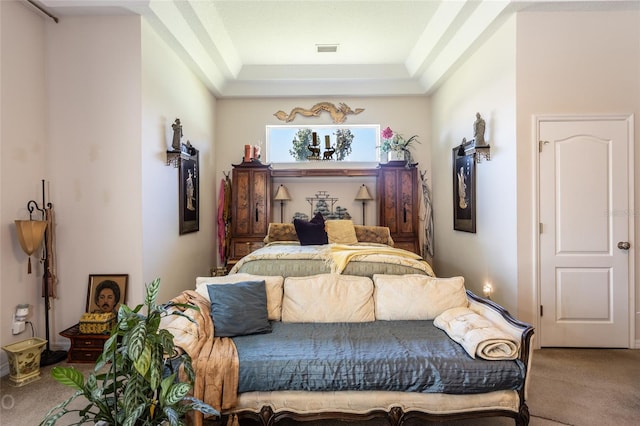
x,y
328,298
273,286
416,297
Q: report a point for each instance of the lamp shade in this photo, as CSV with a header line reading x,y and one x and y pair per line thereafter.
x,y
30,234
363,194
282,194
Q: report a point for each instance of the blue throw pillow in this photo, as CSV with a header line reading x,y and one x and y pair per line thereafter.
x,y
311,232
239,309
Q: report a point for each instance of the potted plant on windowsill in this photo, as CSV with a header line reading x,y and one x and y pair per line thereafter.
x,y
134,379
397,147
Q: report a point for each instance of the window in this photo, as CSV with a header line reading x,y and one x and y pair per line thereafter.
x,y
297,144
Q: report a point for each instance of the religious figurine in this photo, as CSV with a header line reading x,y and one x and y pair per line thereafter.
x,y
478,130
177,135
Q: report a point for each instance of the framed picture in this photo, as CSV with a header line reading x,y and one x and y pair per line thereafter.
x,y
106,293
189,184
464,192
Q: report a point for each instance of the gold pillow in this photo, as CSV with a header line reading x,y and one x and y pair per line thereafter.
x,y
280,232
373,234
340,232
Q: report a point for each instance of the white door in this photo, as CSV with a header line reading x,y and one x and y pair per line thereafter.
x,y
585,231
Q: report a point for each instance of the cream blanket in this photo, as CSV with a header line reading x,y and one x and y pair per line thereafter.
x,y
214,359
477,335
339,255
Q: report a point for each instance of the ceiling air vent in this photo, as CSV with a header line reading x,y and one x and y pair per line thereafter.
x,y
327,48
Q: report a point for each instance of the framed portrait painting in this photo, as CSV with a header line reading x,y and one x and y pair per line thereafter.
x,y
189,184
464,192
106,293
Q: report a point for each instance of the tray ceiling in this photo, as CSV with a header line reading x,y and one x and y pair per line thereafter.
x,y
244,48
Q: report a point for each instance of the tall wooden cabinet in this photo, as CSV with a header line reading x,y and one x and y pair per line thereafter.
x,y
397,189
250,208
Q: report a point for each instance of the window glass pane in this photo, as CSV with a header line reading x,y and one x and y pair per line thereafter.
x,y
294,144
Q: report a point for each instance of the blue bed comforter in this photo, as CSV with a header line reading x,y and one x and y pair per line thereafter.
x,y
382,355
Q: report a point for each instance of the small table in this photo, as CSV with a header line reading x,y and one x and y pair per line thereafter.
x,y
85,348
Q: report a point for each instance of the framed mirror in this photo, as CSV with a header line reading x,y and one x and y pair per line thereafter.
x,y
356,143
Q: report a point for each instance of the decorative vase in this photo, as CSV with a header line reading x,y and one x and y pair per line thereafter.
x,y
24,360
395,156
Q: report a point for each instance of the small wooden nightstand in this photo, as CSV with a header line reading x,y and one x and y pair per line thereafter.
x,y
84,347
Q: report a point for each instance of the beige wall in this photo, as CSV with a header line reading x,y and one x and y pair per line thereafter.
x,y
485,83
94,104
243,121
23,150
169,91
75,112
570,63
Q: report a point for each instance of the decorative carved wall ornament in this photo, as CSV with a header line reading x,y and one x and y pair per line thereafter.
x,y
338,113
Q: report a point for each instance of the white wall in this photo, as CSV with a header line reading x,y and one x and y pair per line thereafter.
x,y
94,104
485,83
23,150
81,117
243,121
170,91
571,63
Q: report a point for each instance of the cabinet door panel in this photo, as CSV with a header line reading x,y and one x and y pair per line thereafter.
x,y
260,203
406,207
389,204
240,208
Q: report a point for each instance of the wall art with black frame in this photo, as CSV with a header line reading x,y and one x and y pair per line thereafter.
x,y
189,184
464,192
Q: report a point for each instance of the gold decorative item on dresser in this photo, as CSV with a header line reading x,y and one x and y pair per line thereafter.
x,y
250,207
397,188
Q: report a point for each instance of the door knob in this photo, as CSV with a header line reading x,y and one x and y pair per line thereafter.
x,y
624,245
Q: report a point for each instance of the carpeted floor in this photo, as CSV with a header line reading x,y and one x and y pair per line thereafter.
x,y
581,387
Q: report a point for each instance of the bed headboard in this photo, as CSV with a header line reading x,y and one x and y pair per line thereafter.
x,y
280,232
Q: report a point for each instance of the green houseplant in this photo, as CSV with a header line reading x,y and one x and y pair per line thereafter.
x,y
134,380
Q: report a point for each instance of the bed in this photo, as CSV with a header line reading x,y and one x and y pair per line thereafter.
x,y
366,251
314,308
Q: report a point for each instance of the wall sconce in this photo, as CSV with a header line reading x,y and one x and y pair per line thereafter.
x,y
282,195
480,153
364,196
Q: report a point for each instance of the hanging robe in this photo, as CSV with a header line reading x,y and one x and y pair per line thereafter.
x,y
50,250
221,224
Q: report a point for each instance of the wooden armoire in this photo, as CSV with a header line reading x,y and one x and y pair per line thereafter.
x,y
250,208
397,189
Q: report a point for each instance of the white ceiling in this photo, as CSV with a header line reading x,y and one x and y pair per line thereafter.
x,y
258,48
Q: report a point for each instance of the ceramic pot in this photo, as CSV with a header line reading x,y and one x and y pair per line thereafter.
x,y
395,155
